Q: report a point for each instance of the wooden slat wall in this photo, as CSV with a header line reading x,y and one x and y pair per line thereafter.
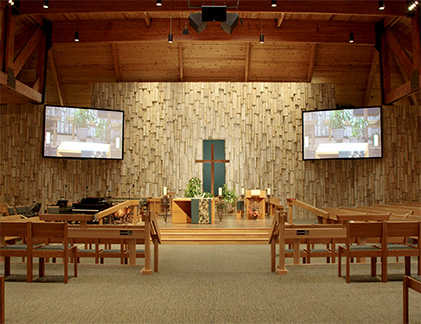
x,y
164,129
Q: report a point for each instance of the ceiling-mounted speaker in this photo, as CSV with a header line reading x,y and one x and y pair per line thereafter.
x,y
196,22
214,13
231,22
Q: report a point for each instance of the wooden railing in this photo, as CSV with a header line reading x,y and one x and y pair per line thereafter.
x,y
109,211
293,202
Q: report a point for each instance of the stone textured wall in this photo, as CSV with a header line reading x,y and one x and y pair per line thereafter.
x,y
165,124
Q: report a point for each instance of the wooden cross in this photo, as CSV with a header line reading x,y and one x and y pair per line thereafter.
x,y
212,161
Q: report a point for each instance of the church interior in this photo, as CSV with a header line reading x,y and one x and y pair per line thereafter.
x,y
210,161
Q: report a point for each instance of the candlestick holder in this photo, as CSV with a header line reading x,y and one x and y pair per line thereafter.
x,y
220,205
268,206
243,206
165,203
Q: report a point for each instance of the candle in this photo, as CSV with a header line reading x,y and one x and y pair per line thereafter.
x,y
165,191
242,191
268,191
219,191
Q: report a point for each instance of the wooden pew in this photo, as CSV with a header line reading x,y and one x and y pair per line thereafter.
x,y
393,230
363,218
360,232
22,230
415,284
53,233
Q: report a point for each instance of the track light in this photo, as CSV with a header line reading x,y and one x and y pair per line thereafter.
x,y
262,38
413,5
77,37
170,35
351,37
11,2
273,4
381,4
159,3
45,5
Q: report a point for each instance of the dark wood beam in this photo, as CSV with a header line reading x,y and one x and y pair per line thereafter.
x,y
41,61
116,61
361,7
405,42
56,77
311,63
27,51
280,20
247,63
292,31
416,40
181,61
370,81
403,91
19,94
398,52
9,40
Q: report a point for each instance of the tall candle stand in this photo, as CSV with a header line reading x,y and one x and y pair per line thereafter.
x,y
220,208
243,206
268,206
165,203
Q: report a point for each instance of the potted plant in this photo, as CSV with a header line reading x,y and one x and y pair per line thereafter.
x,y
194,188
338,118
230,198
81,120
359,127
101,129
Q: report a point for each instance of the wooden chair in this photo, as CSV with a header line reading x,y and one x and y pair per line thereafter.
x,y
359,233
415,284
53,233
404,230
110,252
23,231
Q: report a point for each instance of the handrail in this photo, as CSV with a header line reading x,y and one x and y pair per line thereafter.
x,y
294,202
277,231
128,203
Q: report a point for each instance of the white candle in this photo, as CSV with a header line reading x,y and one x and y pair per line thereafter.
x,y
242,191
219,191
268,191
165,191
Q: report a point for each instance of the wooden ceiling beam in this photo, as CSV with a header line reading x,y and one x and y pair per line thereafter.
x,y
247,67
19,93
399,53
27,51
280,20
56,78
311,63
181,61
370,81
116,61
303,31
147,19
338,7
402,91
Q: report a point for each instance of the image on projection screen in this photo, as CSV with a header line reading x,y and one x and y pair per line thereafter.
x,y
83,133
342,134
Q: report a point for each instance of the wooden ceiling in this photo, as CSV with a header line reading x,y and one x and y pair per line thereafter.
x,y
127,41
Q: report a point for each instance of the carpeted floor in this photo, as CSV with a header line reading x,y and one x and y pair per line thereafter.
x,y
208,284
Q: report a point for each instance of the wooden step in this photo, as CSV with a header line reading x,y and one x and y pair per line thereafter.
x,y
215,236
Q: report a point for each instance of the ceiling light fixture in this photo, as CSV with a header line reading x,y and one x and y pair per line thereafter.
x,y
77,37
170,35
413,5
273,4
158,3
11,2
262,37
351,37
45,5
381,4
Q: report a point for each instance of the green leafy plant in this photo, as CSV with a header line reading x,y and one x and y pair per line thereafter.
x,y
194,188
82,117
229,196
359,126
102,128
338,118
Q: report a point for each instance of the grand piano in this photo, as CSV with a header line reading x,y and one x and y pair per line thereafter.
x,y
91,205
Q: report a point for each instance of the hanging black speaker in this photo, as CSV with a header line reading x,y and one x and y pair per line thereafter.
x,y
231,22
214,13
196,22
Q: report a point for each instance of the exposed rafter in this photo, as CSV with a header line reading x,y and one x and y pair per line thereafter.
x,y
370,81
311,62
393,7
116,62
247,64
291,31
56,78
181,61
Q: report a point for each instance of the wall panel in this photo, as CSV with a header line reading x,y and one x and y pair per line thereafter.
x,y
164,129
